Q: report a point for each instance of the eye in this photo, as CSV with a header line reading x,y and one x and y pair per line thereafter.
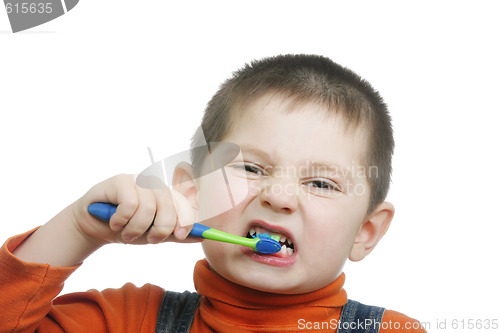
x,y
323,184
249,168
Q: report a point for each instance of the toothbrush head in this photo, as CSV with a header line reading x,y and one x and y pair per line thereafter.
x,y
267,244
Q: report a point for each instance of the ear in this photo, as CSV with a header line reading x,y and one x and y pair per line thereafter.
x,y
372,230
183,182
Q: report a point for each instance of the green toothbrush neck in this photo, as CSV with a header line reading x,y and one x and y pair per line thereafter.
x,y
218,235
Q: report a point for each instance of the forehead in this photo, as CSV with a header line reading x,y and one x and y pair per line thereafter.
x,y
294,130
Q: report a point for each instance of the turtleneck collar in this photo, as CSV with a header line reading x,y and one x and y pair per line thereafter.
x,y
226,303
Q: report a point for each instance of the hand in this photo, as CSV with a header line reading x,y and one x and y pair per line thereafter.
x,y
142,216
73,234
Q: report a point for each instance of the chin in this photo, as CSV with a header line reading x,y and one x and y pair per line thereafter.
x,y
263,279
272,284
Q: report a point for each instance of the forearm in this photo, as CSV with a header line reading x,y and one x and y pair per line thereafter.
x,y
58,243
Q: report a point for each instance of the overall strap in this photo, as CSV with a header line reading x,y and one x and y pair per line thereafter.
x,y
360,318
176,312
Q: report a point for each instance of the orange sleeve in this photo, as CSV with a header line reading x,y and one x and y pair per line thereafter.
x,y
395,322
27,300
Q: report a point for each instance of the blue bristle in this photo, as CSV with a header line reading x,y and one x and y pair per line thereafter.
x,y
262,235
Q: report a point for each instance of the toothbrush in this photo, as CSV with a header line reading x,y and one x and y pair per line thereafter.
x,y
263,243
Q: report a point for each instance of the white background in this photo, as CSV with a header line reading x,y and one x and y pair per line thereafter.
x,y
83,96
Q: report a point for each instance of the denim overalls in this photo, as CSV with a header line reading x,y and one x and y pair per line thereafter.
x,y
177,311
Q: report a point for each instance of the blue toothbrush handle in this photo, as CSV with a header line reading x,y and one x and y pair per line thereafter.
x,y
198,230
104,211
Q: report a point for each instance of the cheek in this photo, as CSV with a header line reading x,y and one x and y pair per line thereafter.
x,y
214,255
223,193
212,251
331,238
220,192
229,218
220,256
331,231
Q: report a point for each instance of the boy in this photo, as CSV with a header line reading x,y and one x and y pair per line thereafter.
x,y
316,146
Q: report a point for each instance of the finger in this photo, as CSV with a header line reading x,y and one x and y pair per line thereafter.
x,y
165,219
185,215
185,211
181,232
143,216
126,196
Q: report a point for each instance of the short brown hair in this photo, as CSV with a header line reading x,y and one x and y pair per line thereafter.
x,y
308,78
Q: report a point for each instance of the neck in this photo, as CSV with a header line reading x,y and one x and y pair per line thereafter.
x,y
231,302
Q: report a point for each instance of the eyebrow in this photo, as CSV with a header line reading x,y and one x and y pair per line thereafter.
x,y
333,167
255,151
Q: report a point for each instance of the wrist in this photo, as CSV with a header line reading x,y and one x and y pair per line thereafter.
x,y
58,243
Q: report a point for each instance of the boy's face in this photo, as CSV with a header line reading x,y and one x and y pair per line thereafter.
x,y
299,176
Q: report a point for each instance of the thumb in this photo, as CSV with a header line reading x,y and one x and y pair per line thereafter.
x,y
185,212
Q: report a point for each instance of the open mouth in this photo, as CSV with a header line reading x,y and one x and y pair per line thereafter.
x,y
287,246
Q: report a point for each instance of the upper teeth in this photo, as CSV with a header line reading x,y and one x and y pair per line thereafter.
x,y
261,231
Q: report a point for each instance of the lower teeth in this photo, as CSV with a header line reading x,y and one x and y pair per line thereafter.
x,y
285,252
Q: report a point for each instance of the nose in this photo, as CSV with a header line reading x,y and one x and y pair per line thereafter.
x,y
280,196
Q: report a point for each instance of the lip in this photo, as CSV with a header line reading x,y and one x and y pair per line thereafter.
x,y
270,259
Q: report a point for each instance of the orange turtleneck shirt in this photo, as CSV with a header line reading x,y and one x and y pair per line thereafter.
x,y
28,302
